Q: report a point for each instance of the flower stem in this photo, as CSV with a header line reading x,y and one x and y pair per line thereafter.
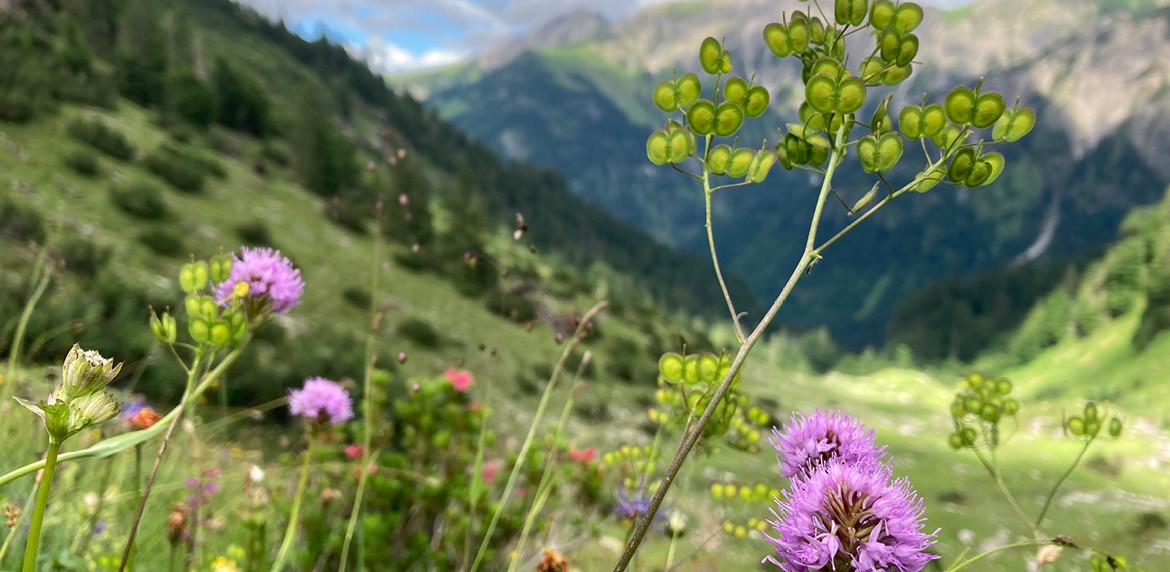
x,y
1022,544
715,258
42,273
38,517
578,335
291,531
692,436
1059,482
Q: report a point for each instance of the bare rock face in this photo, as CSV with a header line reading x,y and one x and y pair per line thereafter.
x,y
573,28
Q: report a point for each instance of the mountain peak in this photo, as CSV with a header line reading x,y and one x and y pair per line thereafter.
x,y
571,28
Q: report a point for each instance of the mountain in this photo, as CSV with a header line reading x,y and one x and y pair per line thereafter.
x,y
1094,70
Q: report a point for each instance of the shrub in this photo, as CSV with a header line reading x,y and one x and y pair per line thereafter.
x,y
140,200
420,332
97,134
512,305
254,233
177,169
80,254
274,153
83,163
164,240
19,222
357,297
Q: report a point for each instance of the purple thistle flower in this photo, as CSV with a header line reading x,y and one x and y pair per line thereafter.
x,y
270,278
631,507
321,400
849,516
820,437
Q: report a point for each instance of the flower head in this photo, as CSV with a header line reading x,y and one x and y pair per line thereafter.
x,y
631,508
583,456
489,470
820,437
85,372
460,379
321,400
850,516
262,278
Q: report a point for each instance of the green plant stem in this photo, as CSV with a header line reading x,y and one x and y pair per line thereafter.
x,y
578,335
670,552
291,532
43,273
476,487
715,258
977,557
694,433
1007,494
38,517
1059,482
367,394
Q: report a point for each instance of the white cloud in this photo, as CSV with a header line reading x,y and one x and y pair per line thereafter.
x,y
390,58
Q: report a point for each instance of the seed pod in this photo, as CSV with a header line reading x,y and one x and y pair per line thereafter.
x,y
688,88
760,165
871,68
756,101
990,413
907,17
665,96
896,74
220,267
728,118
777,38
708,367
717,491
679,143
997,162
658,148
980,173
929,181
969,436
910,121
955,441
799,35
1076,426
1003,386
989,107
880,154
907,49
881,15
820,92
961,165
199,328
881,121
851,12
718,158
1014,125
1011,407
193,276
850,95
691,369
960,105
934,119
711,55
1115,427
1092,413
670,366
741,161
735,89
701,117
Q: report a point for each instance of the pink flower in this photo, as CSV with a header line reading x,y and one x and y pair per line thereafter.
x,y
460,379
583,456
354,451
489,470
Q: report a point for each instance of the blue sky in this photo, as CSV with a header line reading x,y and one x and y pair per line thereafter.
x,y
404,35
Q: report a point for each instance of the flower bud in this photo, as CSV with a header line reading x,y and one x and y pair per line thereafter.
x,y
193,277
164,328
85,372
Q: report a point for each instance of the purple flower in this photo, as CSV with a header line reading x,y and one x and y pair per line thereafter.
x,y
321,400
631,508
822,436
849,516
270,278
133,407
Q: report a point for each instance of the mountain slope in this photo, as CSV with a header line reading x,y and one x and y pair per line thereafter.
x,y
1101,98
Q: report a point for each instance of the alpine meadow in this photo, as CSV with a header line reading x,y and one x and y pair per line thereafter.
x,y
504,285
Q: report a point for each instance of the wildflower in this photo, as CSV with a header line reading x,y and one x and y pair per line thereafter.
x,y
850,516
321,400
460,379
85,372
820,437
11,515
630,508
177,523
255,476
583,456
553,561
354,451
329,495
145,418
489,470
264,280
80,401
221,564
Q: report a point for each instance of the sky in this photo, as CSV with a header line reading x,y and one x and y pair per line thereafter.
x,y
397,36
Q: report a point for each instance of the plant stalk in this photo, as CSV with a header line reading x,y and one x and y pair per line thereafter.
x,y
291,532
34,533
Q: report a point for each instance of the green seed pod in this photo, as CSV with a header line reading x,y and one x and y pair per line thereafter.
x,y
817,155
741,161
658,148
691,369
997,162
934,119
1014,125
761,164
777,38
851,12
1011,407
717,491
973,405
816,30
990,413
989,107
757,101
728,118
850,95
827,66
1115,427
718,158
1092,428
679,144
735,89
220,267
957,410
1003,386
1092,413
880,154
871,68
907,17
896,74
980,173
665,96
670,366
969,436
881,121
888,44
910,121
960,105
238,322
881,15
193,276
820,92
955,441
701,117
711,55
799,36
929,181
688,88
907,49
708,367
961,165
1076,426
199,328
220,333
782,157
948,138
